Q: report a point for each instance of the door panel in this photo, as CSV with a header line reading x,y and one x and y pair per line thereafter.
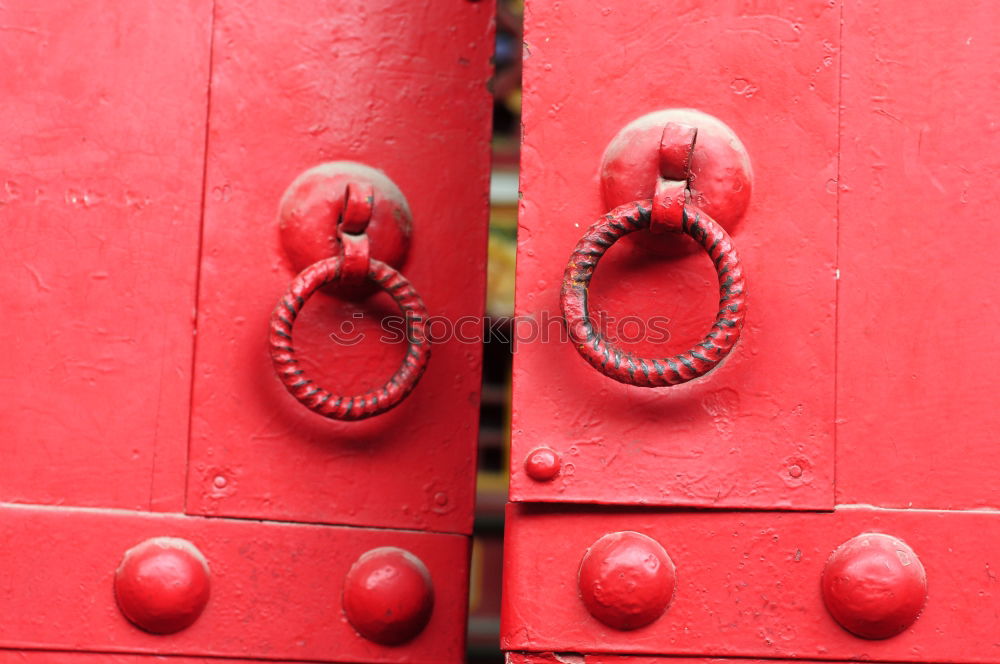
x,y
275,588
101,147
400,86
748,583
915,369
758,432
108,266
917,374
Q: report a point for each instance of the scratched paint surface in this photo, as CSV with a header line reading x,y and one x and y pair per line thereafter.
x,y
757,432
917,368
101,154
400,86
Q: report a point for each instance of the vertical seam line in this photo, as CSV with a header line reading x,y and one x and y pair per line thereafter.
x,y
836,258
201,245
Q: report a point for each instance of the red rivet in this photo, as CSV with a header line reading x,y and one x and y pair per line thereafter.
x,y
874,586
626,580
162,584
542,464
388,595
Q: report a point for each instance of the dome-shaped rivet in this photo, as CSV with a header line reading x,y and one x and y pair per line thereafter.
x,y
388,595
626,580
874,586
162,584
542,464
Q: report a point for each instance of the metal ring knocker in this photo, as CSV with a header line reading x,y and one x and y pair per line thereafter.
x,y
354,265
669,211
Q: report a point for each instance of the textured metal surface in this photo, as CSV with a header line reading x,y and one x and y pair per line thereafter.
x,y
626,367
400,86
757,433
886,144
144,152
100,198
297,381
749,583
115,159
917,420
277,589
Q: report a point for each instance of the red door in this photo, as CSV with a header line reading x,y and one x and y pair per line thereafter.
x,y
768,430
163,492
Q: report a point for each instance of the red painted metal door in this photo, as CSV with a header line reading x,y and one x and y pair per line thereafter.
x,y
155,468
828,490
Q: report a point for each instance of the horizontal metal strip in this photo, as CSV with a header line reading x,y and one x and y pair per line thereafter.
x,y
275,588
22,656
748,584
576,658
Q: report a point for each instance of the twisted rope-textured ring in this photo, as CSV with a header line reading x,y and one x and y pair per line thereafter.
x,y
314,397
626,367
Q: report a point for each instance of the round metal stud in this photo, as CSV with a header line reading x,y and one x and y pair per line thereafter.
x,y
542,464
388,595
874,586
162,584
626,580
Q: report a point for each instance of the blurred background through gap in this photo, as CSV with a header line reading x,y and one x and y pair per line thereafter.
x,y
494,442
